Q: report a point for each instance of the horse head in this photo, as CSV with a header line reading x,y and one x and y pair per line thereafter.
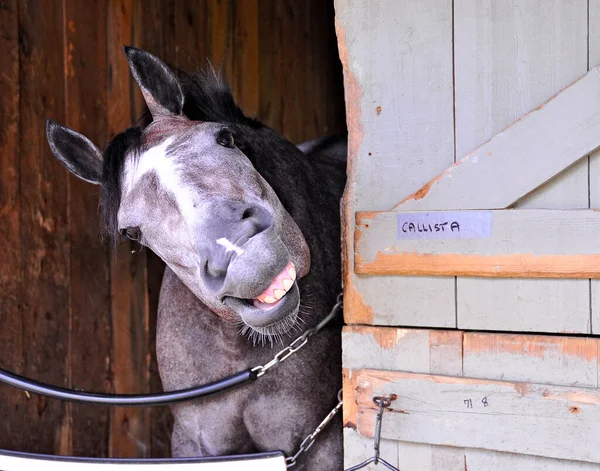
x,y
185,189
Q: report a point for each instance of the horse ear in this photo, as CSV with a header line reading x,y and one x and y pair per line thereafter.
x,y
161,89
75,151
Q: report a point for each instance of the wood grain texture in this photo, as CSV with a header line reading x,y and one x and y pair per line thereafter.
x,y
220,39
269,41
397,59
185,36
520,243
390,348
575,266
245,77
512,164
45,424
90,342
129,427
556,360
504,69
416,350
479,413
484,460
87,319
11,272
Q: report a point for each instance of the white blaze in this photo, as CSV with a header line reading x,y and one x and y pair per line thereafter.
x,y
154,159
168,173
229,246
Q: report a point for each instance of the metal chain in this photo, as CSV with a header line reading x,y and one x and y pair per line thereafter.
x,y
298,343
310,439
287,352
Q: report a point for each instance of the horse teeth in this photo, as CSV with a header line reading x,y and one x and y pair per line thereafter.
x,y
269,300
279,293
287,284
292,272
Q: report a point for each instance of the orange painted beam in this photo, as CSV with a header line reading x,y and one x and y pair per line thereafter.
x,y
499,266
481,243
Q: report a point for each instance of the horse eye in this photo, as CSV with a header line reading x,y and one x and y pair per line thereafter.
x,y
225,138
132,233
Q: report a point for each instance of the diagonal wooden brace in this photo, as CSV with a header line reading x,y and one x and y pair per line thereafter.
x,y
423,237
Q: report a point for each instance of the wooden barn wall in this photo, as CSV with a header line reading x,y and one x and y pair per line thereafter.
x,y
73,313
456,73
426,83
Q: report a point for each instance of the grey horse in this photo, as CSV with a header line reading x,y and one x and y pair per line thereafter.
x,y
249,228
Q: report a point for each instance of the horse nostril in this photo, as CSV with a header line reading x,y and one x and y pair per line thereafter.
x,y
214,275
216,270
255,220
248,213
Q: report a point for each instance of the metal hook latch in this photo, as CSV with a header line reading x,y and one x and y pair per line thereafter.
x,y
382,402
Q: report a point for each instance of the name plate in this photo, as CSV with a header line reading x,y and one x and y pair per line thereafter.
x,y
445,225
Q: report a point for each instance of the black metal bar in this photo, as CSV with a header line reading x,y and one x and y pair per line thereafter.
x,y
170,397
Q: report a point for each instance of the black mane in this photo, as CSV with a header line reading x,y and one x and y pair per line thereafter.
x,y
110,196
207,98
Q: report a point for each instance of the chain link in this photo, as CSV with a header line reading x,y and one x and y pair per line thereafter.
x,y
287,352
298,343
310,439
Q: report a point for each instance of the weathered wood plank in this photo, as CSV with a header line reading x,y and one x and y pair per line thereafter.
x,y
484,460
246,77
220,37
502,71
512,164
86,104
421,351
186,34
390,137
558,360
500,243
415,350
129,427
45,425
594,159
11,272
481,413
290,58
269,39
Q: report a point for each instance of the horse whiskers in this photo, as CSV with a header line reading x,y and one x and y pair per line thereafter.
x,y
286,328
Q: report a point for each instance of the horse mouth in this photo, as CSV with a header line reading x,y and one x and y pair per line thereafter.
x,y
271,297
274,311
